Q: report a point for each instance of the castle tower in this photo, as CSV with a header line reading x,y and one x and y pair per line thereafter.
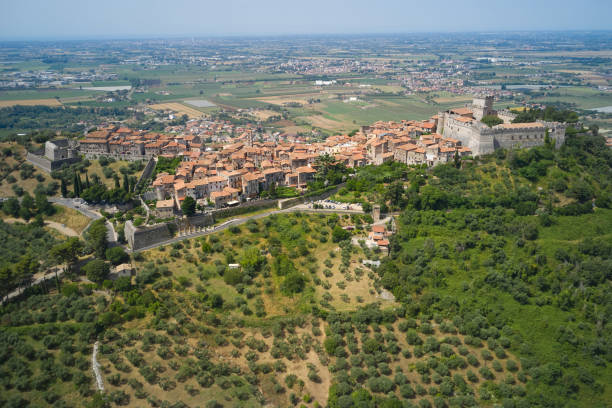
x,y
376,212
483,107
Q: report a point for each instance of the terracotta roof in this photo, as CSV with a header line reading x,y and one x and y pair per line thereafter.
x,y
462,111
165,204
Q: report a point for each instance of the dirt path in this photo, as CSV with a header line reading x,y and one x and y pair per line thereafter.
x,y
61,228
96,367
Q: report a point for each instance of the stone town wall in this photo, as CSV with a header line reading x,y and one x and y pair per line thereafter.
x,y
146,172
140,237
468,134
556,131
484,140
201,220
515,137
47,165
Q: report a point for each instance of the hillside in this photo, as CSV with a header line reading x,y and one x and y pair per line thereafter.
x,y
500,271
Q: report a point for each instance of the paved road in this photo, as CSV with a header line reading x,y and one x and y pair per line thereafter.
x,y
76,205
87,211
19,291
240,221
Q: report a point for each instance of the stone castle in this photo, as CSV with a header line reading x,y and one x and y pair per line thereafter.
x,y
464,124
55,154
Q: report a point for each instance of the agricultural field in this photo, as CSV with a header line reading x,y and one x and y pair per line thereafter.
x,y
44,95
30,102
178,108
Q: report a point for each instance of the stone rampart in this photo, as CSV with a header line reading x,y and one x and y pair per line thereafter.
x,y
140,237
146,172
47,165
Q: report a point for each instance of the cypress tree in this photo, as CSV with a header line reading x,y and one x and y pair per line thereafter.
x,y
87,180
63,188
126,183
116,178
75,183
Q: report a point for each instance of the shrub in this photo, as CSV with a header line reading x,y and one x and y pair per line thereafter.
x,y
116,255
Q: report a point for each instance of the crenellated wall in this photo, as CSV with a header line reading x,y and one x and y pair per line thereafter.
x,y
481,139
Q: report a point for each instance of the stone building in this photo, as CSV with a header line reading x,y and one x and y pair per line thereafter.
x,y
55,155
464,124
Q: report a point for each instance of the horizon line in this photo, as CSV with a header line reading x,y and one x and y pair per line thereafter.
x,y
201,36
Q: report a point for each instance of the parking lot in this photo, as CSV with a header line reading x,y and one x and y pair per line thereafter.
x,y
333,205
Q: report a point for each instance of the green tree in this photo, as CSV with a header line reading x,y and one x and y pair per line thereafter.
x,y
96,237
116,255
293,283
43,206
491,120
11,207
126,183
25,268
66,252
97,270
252,260
27,207
76,185
63,187
188,206
340,234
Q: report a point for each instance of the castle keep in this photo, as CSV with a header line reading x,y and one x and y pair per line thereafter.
x,y
464,124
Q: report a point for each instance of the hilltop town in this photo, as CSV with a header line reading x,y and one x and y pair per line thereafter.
x,y
374,221
251,162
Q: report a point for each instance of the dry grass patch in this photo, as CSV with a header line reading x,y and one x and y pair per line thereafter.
x,y
71,218
264,114
178,108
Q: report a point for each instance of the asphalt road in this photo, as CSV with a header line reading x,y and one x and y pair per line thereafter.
x,y
86,210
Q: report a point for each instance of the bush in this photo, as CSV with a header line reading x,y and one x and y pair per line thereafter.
x,y
116,255
97,270
233,276
293,283
339,234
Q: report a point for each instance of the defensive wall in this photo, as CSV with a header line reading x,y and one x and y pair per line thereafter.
x,y
482,139
144,236
140,237
146,172
47,165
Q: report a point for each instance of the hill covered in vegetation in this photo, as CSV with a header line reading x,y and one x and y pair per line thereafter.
x,y
495,293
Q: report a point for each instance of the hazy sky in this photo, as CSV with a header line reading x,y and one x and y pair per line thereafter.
x,y
40,19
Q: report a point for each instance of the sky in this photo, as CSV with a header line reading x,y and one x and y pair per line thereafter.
x,y
87,19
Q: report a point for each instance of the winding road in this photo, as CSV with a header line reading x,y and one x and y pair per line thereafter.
x,y
86,210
